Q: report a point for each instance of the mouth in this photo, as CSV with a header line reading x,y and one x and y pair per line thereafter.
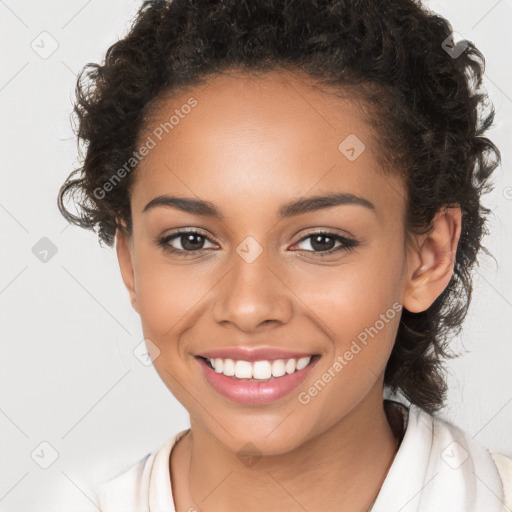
x,y
258,371
258,382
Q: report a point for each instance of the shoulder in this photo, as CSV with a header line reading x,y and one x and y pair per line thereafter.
x,y
487,475
129,491
126,490
504,465
453,471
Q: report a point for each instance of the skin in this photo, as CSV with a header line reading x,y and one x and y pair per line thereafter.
x,y
249,146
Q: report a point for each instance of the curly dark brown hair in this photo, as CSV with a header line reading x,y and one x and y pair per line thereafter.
x,y
424,96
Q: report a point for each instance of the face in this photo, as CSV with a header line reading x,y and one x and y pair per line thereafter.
x,y
326,280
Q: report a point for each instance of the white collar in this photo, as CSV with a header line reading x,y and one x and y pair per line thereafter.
x,y
160,491
437,468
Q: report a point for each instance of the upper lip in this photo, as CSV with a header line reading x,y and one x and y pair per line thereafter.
x,y
253,354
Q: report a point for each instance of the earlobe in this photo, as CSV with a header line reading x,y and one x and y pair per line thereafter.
x,y
124,256
433,261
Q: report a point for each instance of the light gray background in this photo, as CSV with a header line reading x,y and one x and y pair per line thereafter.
x,y
68,375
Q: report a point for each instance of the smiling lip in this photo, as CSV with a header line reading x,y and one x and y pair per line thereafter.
x,y
249,392
251,355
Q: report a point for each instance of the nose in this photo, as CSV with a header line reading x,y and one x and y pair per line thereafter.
x,y
253,296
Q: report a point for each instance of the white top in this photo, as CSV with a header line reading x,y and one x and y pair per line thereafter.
x,y
438,468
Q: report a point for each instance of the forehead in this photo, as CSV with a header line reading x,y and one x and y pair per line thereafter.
x,y
275,135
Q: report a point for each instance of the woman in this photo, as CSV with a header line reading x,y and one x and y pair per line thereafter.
x,y
294,190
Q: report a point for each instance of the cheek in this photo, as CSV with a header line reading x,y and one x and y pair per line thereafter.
x,y
171,299
357,306
167,301
163,293
351,297
157,299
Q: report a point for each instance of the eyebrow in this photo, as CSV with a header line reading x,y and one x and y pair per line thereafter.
x,y
291,209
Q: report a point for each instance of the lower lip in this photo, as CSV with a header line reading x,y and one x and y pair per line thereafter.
x,y
246,392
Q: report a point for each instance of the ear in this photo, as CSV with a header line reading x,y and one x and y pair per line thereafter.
x,y
124,251
431,262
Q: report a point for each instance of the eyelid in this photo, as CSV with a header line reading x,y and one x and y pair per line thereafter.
x,y
328,231
314,231
346,243
181,231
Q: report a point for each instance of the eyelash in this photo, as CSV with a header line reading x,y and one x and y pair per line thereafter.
x,y
348,244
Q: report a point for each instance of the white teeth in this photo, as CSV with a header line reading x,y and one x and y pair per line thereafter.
x,y
259,370
290,366
229,367
219,365
243,370
303,362
278,368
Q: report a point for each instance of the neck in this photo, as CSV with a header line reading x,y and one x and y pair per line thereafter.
x,y
336,470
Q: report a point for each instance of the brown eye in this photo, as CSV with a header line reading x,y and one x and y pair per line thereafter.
x,y
325,243
190,242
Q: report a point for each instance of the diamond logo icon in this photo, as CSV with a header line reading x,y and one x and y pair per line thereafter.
x,y
249,455
146,352
45,45
351,147
44,455
454,455
249,250
454,45
44,250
